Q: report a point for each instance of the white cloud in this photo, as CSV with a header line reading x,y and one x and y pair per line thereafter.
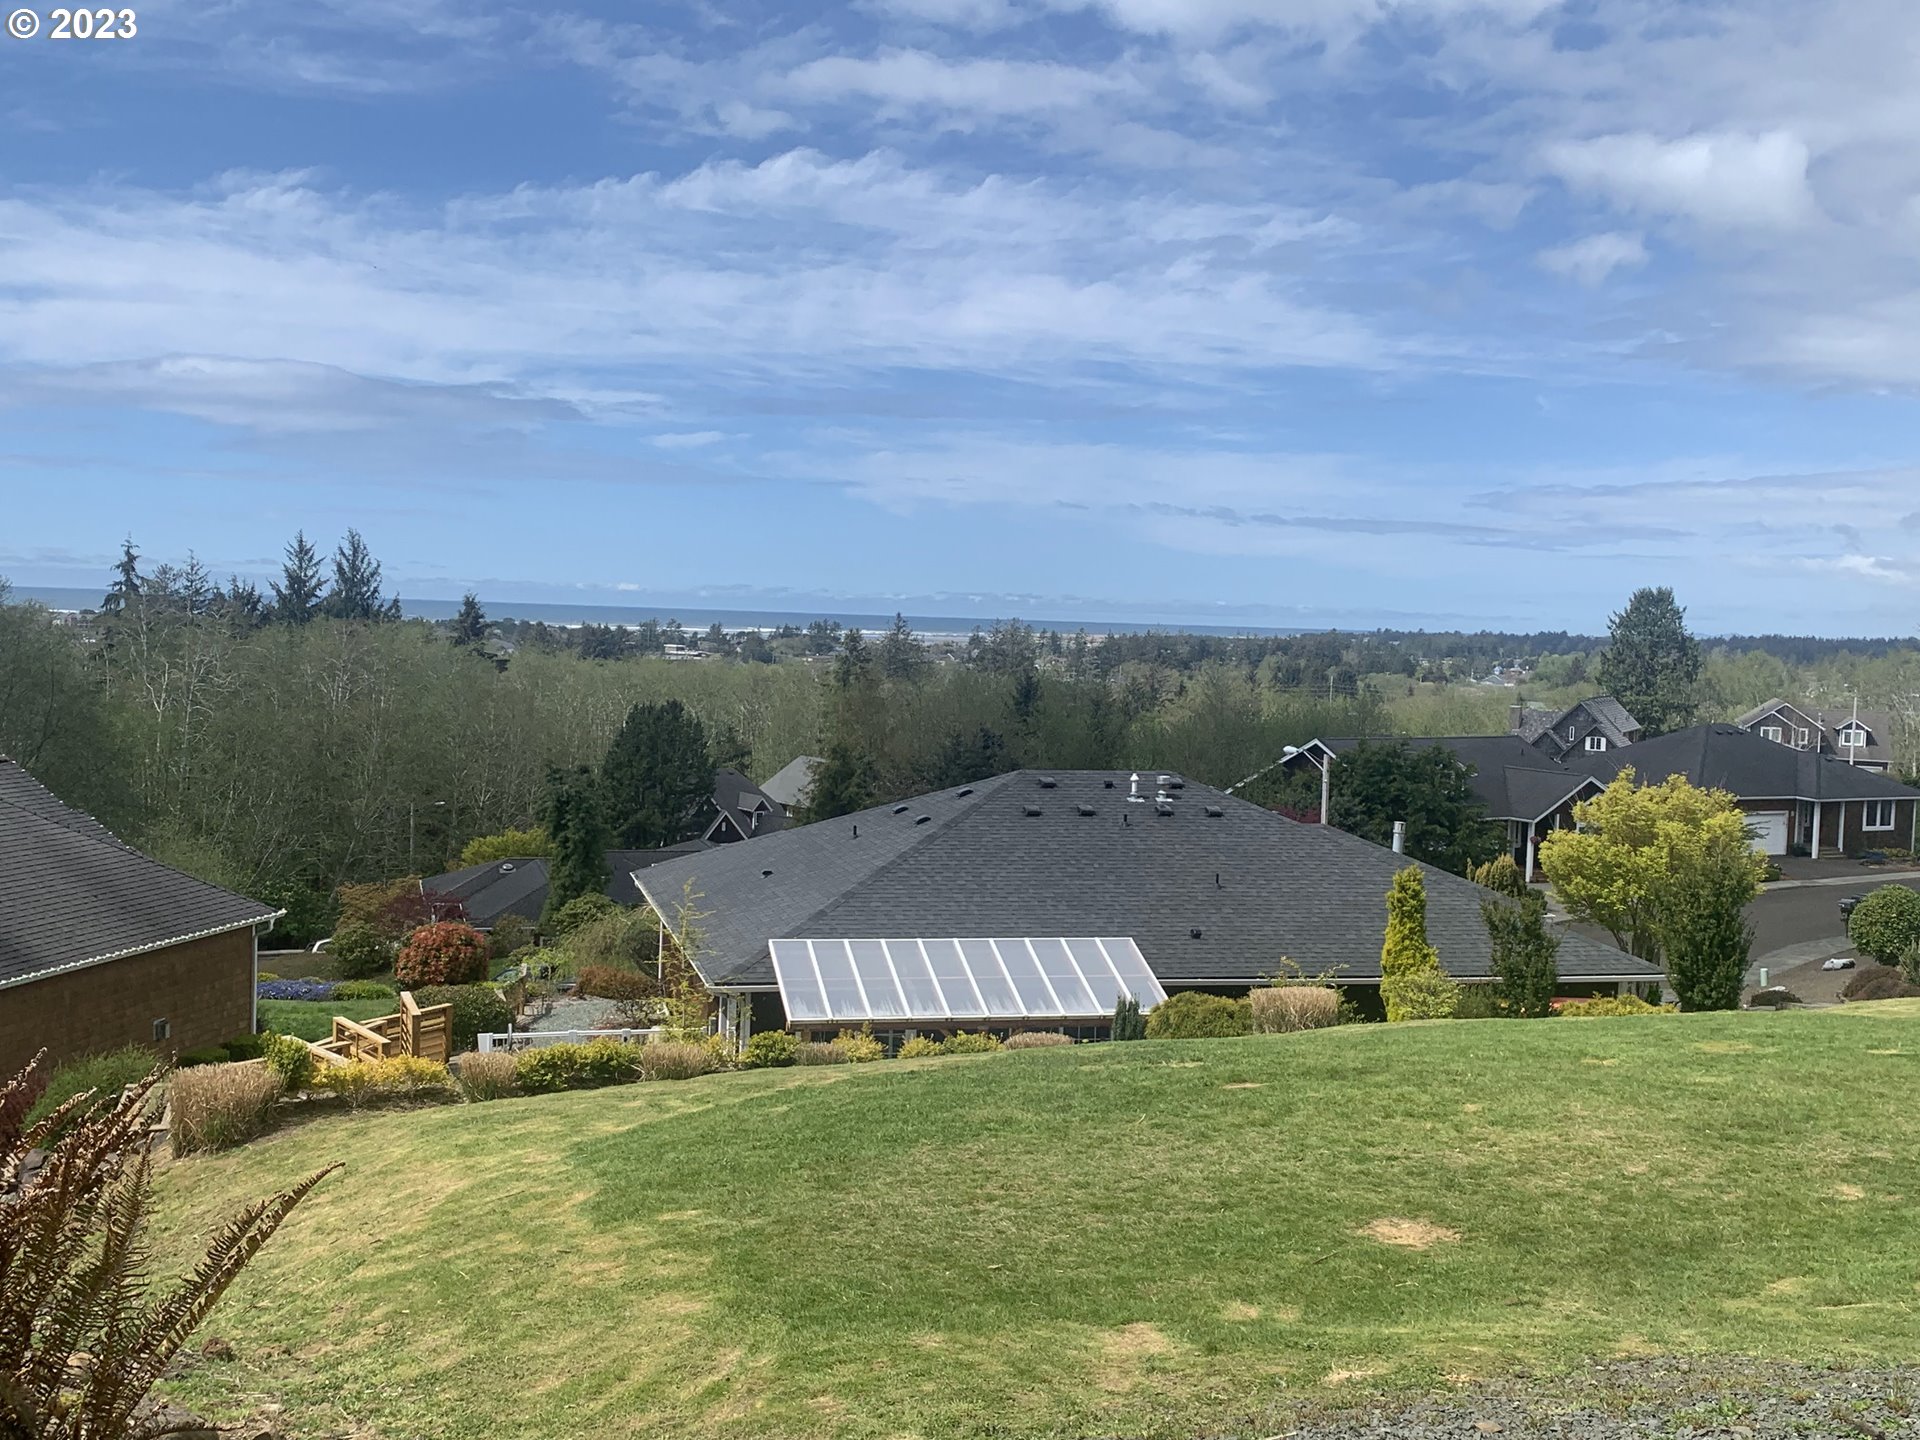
x,y
689,440
1592,259
907,80
1724,179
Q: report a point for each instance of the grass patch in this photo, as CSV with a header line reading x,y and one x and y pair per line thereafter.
x,y
313,1019
1159,1239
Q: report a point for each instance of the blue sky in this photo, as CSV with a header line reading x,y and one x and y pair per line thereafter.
x,y
1308,311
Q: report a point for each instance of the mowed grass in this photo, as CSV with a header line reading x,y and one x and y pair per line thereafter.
x,y
313,1019
1156,1239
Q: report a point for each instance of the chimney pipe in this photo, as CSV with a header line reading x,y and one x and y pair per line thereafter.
x,y
1399,837
1514,712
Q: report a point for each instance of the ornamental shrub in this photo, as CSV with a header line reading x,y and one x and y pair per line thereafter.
x,y
477,1010
1525,957
546,1068
1611,1005
769,1048
1886,923
579,911
363,990
218,1106
106,1074
622,939
448,952
1128,1023
1477,1002
1192,1015
489,1075
400,1078
359,950
962,1043
630,988
1282,1009
1037,1040
685,1059
1412,984
290,1059
1501,874
510,935
919,1047
818,1052
860,1047
1885,984
1422,995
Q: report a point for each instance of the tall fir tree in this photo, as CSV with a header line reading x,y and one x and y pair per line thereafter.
x,y
470,625
300,588
1652,664
855,663
356,584
658,776
902,655
843,782
123,594
576,828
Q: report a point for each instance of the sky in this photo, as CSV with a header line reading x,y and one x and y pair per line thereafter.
x,y
1348,312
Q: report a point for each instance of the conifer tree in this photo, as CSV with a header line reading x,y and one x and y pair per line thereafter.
x,y
1652,664
901,653
124,593
1524,954
298,591
1412,984
356,584
658,776
576,828
843,782
470,625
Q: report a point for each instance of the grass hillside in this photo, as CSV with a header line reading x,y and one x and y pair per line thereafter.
x,y
1157,1239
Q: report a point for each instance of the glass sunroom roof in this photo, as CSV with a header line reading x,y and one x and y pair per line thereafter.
x,y
856,981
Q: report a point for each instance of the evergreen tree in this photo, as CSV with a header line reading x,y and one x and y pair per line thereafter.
x,y
855,663
1128,1023
729,750
297,593
1412,984
576,828
1652,665
658,776
963,759
243,603
716,641
1375,784
1524,969
356,584
125,591
901,653
470,625
843,782
1707,938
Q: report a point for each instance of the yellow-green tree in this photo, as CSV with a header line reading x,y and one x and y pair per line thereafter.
x,y
509,844
1667,870
1412,984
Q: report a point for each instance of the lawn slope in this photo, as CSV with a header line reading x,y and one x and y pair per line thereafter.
x,y
1154,1239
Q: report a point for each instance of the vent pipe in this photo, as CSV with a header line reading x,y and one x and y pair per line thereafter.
x,y
1399,837
1133,785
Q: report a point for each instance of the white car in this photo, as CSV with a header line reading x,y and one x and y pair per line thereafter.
x,y
1839,962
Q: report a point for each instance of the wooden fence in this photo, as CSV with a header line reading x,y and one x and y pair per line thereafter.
x,y
423,1032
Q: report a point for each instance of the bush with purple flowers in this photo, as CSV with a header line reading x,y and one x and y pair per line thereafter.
x,y
296,990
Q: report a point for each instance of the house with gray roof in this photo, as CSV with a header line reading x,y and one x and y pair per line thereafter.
x,y
789,785
1216,893
1859,737
1589,727
103,947
491,891
1797,801
742,810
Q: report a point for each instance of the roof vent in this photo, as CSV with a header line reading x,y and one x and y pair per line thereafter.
x,y
921,819
1163,809
766,874
1214,812
1162,780
1174,782
856,832
1107,783
963,792
506,868
1084,809
900,809
1194,933
1029,809
1047,782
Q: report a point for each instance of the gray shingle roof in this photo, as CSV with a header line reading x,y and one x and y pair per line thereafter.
x,y
1828,723
1260,888
1514,780
790,782
498,888
1749,765
72,894
745,804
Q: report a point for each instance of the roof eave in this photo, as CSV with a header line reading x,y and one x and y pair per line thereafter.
x,y
53,970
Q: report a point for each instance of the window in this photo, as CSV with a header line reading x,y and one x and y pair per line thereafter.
x,y
1596,742
1771,732
1853,738
1879,815
1802,738
161,1029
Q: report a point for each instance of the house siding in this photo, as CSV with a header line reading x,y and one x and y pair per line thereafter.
x,y
1842,825
202,988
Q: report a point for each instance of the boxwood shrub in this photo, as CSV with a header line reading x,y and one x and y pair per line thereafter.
x,y
1191,1015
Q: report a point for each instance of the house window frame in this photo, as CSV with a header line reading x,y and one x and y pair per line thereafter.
x,y
1802,737
1596,743
1773,733
1870,808
162,1029
1859,743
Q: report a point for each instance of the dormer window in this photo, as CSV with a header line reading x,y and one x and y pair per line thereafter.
x,y
1596,742
1853,738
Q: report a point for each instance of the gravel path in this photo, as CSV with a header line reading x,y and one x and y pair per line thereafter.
x,y
1744,1400
570,1014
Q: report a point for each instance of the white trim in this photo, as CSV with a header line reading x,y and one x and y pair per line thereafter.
x,y
1774,733
147,949
1866,812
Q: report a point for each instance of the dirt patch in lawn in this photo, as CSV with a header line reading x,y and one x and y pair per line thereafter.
x,y
1408,1234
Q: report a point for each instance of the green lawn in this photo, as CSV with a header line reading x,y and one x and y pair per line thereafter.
x,y
1157,1239
313,1019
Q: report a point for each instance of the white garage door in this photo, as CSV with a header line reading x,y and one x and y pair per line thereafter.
x,y
1770,831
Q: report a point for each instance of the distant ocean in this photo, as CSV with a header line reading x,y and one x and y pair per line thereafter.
x,y
696,616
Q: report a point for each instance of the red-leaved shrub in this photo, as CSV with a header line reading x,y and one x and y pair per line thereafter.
x,y
448,952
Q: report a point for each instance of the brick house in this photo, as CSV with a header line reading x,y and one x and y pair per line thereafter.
x,y
102,946
1800,802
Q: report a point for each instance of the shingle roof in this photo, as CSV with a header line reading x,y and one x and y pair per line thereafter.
x,y
1514,780
497,888
72,894
789,783
1877,723
739,799
1259,888
1749,765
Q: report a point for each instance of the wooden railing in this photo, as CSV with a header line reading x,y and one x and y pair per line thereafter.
x,y
425,1031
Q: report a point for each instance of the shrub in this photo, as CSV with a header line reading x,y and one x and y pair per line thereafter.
x,y
106,1074
363,990
1886,923
489,1075
1281,1009
1191,1015
403,1077
767,1048
1524,957
622,940
1868,975
476,1009
359,950
546,1068
1406,950
296,990
1608,1005
919,1047
1037,1040
821,1052
1886,985
630,988
683,1060
579,911
511,934
204,1055
363,904
1773,997
263,976
291,1060
448,952
860,1047
1477,1002
1421,995
961,1043
1128,1023
1910,964
218,1106
1501,874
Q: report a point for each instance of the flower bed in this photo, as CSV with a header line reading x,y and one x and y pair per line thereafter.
x,y
296,989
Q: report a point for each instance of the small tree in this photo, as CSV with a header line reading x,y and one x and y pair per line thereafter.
x,y
532,843
1707,937
446,953
1502,875
1412,984
581,911
1128,1023
1886,924
1524,954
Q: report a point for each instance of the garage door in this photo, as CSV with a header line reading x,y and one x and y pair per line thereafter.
x,y
1770,831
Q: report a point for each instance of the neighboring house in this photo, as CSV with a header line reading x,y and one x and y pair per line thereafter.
x,y
790,783
103,947
490,891
1593,726
1798,801
1522,789
1859,737
683,652
1215,893
745,810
